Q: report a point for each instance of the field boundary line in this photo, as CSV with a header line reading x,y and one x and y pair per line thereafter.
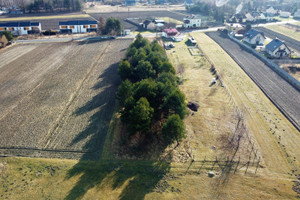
x,y
72,98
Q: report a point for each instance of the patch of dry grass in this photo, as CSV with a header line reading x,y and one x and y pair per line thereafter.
x,y
274,135
292,33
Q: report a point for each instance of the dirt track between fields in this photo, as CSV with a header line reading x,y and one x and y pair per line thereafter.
x,y
280,91
291,43
57,97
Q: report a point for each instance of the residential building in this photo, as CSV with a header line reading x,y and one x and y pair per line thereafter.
x,y
21,28
192,21
270,12
82,26
297,14
233,27
130,2
278,49
254,37
284,14
148,24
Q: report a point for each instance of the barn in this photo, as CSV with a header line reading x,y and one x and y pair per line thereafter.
x,y
82,26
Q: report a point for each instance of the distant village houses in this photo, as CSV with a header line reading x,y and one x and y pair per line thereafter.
x,y
234,27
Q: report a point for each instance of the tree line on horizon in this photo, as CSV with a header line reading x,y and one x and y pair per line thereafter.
x,y
44,5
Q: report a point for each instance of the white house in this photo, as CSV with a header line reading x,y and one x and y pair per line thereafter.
x,y
271,12
278,49
254,37
284,14
297,14
82,26
192,22
21,28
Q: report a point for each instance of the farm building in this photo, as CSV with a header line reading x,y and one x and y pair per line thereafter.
x,y
78,26
3,41
278,49
297,14
192,21
21,28
254,37
130,2
148,24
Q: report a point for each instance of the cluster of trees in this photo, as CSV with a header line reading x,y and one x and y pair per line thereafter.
x,y
111,26
54,5
44,5
8,35
208,9
151,101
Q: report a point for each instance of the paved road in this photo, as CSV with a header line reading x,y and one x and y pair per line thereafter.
x,y
292,43
284,96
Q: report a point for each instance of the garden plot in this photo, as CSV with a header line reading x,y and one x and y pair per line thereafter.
x,y
56,89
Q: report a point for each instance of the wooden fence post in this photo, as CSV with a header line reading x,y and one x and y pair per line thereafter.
x,y
257,164
237,165
247,167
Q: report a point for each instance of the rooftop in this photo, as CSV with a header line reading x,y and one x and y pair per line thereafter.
x,y
80,22
252,33
274,44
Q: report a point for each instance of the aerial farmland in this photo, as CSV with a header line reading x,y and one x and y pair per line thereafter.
x,y
50,91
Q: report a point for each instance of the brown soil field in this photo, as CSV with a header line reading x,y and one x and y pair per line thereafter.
x,y
57,97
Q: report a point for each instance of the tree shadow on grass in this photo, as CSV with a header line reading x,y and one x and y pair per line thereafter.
x,y
104,103
133,178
